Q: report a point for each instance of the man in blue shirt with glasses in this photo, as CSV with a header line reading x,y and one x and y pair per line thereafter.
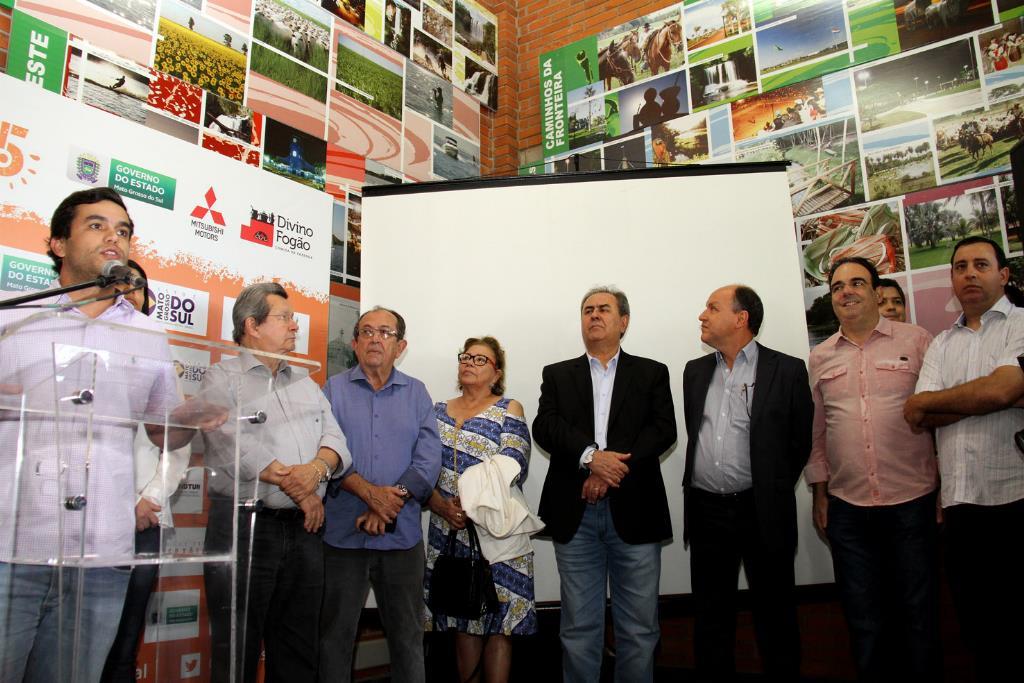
x,y
373,533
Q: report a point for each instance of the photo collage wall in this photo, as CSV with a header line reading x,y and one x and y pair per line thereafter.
x,y
897,119
332,94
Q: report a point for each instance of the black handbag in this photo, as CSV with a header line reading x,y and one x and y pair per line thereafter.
x,y
462,586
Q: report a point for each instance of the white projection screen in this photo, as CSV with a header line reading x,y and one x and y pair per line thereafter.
x,y
512,258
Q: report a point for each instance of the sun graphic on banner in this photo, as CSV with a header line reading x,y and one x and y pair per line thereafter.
x,y
12,159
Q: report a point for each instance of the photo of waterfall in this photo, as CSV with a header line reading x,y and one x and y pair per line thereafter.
x,y
729,75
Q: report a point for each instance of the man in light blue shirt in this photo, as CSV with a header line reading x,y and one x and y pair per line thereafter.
x,y
388,421
748,416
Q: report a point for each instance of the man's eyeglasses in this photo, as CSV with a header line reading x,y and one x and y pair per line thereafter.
x,y
285,317
371,332
478,359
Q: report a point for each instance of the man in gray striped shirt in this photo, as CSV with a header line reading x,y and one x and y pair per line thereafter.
x,y
968,389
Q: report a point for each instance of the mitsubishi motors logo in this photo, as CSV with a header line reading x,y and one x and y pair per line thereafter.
x,y
200,211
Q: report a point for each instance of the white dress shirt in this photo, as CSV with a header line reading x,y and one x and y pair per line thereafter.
x,y
978,462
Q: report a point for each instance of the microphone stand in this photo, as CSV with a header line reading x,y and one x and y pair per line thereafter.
x,y
100,282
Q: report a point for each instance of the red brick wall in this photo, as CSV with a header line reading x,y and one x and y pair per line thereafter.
x,y
5,36
498,130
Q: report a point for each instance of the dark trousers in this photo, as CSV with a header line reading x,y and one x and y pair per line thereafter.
x,y
120,666
279,590
724,532
397,580
886,567
984,557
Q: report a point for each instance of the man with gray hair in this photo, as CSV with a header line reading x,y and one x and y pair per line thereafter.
x,y
284,462
374,534
606,418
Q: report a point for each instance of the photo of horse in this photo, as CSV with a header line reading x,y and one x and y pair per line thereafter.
x,y
978,140
641,48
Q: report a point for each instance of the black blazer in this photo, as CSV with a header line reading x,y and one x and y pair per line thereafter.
x,y
641,422
780,437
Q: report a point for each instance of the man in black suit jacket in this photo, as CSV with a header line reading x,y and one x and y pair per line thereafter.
x,y
606,418
748,413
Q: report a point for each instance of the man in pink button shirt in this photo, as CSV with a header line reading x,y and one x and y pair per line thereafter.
x,y
875,481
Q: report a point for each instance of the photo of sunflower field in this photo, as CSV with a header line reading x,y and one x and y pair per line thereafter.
x,y
215,66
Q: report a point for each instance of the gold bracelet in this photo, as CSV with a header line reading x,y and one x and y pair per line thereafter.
x,y
327,469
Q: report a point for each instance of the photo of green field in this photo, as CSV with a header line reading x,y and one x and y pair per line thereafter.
x,y
202,61
288,73
873,29
803,73
917,86
375,82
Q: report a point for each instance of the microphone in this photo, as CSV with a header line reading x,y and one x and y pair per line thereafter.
x,y
114,272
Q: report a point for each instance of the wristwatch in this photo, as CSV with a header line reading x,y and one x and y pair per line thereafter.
x,y
588,458
403,491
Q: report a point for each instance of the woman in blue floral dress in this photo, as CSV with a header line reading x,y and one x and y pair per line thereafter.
x,y
475,426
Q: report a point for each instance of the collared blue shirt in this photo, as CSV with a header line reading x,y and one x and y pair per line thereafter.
x,y
392,436
722,463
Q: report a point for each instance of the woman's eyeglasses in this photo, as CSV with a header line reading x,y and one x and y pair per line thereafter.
x,y
478,359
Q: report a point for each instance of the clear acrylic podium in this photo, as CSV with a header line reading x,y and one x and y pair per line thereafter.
x,y
82,403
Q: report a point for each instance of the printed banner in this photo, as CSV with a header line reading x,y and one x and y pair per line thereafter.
x,y
37,52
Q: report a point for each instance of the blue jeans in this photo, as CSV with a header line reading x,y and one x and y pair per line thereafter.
x,y
585,565
886,566
38,630
120,666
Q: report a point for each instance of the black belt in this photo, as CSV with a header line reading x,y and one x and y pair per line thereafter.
x,y
282,514
723,497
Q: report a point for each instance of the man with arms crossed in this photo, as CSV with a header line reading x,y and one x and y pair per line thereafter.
x,y
875,481
748,424
38,601
388,419
606,418
968,389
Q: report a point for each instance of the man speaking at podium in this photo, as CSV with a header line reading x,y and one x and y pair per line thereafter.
x,y
67,482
